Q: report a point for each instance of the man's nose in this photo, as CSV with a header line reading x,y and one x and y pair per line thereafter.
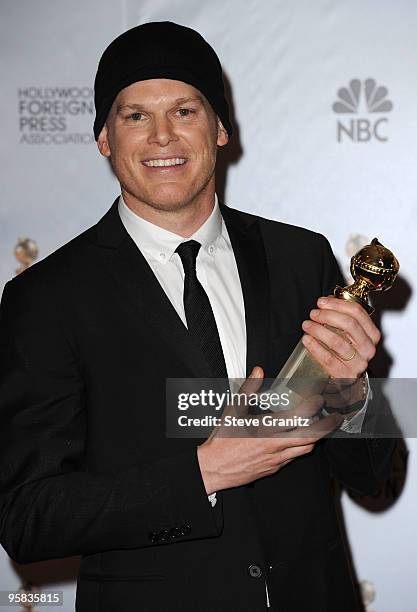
x,y
162,132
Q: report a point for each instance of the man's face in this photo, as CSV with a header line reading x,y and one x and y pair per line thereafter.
x,y
162,121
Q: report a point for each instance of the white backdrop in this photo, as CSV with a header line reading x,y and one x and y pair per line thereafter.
x,y
295,157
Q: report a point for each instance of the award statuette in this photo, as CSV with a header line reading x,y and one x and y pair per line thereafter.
x,y
373,268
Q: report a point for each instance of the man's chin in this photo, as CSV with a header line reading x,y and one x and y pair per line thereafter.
x,y
170,200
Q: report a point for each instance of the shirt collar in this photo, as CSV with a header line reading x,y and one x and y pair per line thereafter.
x,y
159,243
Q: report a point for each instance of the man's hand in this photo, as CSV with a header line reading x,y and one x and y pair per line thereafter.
x,y
349,353
227,462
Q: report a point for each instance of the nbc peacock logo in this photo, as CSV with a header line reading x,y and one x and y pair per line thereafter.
x,y
362,98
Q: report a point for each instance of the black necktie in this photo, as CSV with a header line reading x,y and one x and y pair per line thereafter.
x,y
200,318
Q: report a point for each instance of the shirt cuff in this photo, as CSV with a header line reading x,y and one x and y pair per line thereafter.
x,y
354,425
212,499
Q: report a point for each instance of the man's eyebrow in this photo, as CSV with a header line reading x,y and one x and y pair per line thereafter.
x,y
121,107
189,99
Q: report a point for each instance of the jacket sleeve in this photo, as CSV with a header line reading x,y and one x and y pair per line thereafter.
x,y
50,505
361,463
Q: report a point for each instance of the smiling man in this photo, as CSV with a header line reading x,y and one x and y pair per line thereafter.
x,y
170,283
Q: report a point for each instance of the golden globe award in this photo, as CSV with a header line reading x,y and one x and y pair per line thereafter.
x,y
373,268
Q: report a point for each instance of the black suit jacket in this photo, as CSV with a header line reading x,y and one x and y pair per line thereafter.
x,y
88,338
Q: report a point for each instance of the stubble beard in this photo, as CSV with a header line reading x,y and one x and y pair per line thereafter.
x,y
164,203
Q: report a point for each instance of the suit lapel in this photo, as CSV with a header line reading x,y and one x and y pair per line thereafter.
x,y
249,251
144,296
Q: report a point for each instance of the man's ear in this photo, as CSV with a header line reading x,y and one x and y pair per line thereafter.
x,y
222,135
102,142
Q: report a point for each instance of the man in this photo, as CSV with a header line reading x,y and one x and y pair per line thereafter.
x,y
172,284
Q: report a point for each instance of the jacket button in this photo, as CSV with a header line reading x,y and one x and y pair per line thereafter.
x,y
254,571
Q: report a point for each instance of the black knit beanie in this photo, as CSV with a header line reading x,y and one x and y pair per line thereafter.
x,y
159,50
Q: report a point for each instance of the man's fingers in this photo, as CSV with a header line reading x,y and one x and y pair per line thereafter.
x,y
333,339
324,325
253,382
249,386
352,309
332,364
295,451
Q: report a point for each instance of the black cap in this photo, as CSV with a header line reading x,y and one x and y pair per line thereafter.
x,y
163,50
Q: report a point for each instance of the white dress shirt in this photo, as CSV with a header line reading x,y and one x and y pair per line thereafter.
x,y
216,270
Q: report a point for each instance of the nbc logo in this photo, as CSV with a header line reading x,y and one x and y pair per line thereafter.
x,y
361,97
